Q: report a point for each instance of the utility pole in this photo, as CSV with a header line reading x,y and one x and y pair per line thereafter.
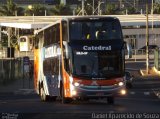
x,y
82,7
1,53
137,5
120,3
152,15
134,4
9,50
93,8
147,40
0,37
99,7
9,37
45,13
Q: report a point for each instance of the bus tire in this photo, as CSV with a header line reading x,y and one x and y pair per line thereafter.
x,y
43,96
110,100
64,100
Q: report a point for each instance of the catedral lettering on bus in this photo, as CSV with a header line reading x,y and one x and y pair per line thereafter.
x,y
80,58
97,48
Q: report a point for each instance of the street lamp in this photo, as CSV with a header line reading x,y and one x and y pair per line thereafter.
x,y
30,7
147,40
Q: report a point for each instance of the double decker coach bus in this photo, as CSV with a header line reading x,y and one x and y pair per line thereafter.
x,y
80,58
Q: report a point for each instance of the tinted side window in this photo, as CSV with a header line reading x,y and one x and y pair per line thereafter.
x,y
64,31
52,35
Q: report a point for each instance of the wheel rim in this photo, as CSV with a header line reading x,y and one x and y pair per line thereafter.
x,y
42,94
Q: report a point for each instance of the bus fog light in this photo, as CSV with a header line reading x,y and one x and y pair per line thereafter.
x,y
74,92
123,92
76,84
120,83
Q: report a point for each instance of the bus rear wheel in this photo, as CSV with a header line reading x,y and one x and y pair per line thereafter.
x,y
110,100
43,96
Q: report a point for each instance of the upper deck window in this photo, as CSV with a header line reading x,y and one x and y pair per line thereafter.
x,y
95,30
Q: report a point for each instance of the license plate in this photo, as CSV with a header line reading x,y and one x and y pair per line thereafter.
x,y
99,94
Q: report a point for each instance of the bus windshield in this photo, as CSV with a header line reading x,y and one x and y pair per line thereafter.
x,y
97,64
95,30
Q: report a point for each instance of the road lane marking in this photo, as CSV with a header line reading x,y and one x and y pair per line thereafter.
x,y
3,102
146,93
138,99
132,93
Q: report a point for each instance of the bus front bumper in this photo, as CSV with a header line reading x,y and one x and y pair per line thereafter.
x,y
98,91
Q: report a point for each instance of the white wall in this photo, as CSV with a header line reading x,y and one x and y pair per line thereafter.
x,y
154,36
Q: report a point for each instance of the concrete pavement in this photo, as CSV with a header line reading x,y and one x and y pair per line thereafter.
x,y
19,86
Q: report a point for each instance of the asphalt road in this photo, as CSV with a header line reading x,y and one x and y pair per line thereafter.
x,y
140,102
136,101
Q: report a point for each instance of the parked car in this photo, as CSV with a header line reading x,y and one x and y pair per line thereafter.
x,y
129,79
150,48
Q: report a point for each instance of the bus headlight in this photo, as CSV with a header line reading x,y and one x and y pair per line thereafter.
x,y
74,92
76,84
123,92
120,83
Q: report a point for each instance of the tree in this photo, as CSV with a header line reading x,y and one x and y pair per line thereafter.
x,y
61,10
20,11
156,9
88,7
8,9
36,9
4,41
111,9
130,10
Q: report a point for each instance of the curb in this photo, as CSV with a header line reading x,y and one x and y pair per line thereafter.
x,y
19,92
156,71
25,91
152,72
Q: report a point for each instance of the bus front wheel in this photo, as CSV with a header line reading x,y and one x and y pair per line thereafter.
x,y
43,96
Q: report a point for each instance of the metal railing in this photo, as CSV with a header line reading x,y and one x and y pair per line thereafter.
x,y
140,54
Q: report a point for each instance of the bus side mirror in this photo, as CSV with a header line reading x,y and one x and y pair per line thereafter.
x,y
66,49
129,49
